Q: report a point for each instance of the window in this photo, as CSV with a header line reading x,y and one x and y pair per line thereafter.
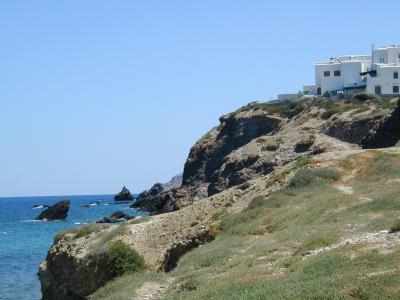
x,y
319,91
395,89
336,73
327,73
381,60
396,75
378,90
399,56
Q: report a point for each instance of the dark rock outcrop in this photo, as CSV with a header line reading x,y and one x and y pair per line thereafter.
x,y
123,195
387,134
352,131
116,217
155,190
165,201
58,211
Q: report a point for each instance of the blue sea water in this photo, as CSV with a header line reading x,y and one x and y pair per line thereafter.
x,y
24,242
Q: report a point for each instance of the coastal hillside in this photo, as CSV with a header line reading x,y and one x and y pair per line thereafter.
x,y
285,199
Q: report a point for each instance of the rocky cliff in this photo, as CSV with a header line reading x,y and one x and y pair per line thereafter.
x,y
261,137
252,151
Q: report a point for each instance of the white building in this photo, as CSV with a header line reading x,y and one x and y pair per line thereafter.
x,y
351,74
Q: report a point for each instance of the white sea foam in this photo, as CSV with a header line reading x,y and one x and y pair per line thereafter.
x,y
32,221
37,207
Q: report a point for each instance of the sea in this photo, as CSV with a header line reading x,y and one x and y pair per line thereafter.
x,y
24,242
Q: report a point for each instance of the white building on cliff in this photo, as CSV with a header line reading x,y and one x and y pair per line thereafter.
x,y
378,73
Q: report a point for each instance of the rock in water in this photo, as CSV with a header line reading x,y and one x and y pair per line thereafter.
x,y
123,195
58,211
116,217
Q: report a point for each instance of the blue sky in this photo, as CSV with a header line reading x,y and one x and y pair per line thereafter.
x,y
99,94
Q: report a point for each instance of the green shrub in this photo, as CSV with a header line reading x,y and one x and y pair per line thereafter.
x,y
121,259
326,173
309,177
319,242
395,227
303,178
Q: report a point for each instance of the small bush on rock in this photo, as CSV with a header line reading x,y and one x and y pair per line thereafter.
x,y
121,259
365,97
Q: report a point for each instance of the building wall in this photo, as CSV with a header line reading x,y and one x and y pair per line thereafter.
x,y
384,79
388,55
349,75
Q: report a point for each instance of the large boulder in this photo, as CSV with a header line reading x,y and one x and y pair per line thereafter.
x,y
58,211
123,195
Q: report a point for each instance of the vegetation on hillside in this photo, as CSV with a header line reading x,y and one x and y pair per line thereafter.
x,y
292,244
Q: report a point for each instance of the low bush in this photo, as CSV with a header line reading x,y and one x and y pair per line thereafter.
x,y
309,177
318,242
365,97
122,259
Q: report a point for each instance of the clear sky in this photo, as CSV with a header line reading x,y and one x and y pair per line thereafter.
x,y
99,94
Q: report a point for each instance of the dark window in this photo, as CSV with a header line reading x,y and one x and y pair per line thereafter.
x,y
378,90
319,91
337,73
381,60
395,89
396,75
327,73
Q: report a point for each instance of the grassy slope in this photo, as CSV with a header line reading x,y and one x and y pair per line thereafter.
x,y
259,253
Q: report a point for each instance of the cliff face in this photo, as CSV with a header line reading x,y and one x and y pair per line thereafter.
x,y
235,131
